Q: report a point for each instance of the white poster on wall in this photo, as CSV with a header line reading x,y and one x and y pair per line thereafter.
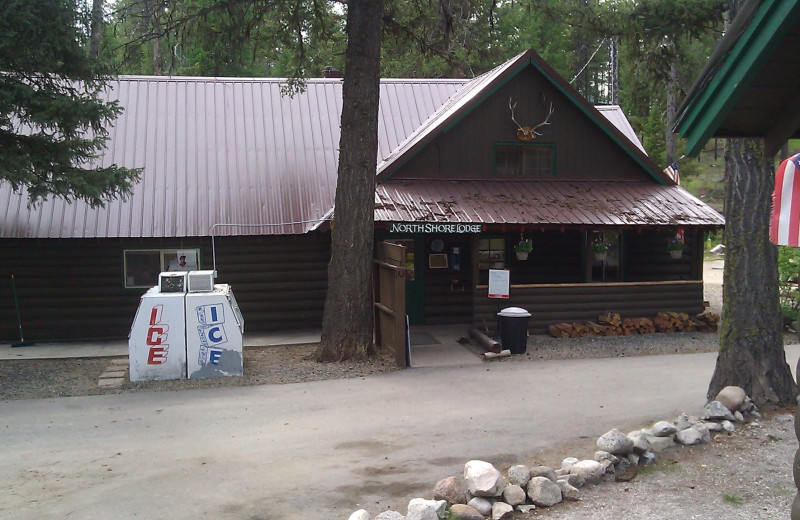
x,y
499,283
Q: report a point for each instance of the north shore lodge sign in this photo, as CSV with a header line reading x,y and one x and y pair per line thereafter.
x,y
432,227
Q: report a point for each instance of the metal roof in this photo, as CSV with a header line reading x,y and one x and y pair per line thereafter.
x,y
222,150
587,203
234,151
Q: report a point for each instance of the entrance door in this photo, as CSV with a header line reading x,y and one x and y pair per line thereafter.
x,y
415,280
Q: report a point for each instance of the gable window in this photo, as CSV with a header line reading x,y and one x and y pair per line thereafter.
x,y
142,266
524,160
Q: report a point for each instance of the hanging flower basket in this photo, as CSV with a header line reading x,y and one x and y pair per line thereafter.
x,y
600,248
523,248
675,246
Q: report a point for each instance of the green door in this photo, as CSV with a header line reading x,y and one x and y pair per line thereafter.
x,y
415,279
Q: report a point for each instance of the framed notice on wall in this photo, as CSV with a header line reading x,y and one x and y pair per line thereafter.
x,y
499,283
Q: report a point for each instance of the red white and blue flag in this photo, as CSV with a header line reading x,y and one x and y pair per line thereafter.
x,y
672,171
784,225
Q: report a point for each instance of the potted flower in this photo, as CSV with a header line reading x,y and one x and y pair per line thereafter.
x,y
600,248
523,248
675,246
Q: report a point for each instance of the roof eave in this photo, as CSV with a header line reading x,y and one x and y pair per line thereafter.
x,y
708,106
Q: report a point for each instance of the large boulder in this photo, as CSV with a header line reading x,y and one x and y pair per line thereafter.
x,y
421,506
625,470
482,505
574,480
732,397
615,442
483,479
717,411
501,511
658,444
390,515
464,512
543,492
591,470
513,495
361,514
519,475
689,436
640,442
451,489
601,455
663,429
568,491
543,471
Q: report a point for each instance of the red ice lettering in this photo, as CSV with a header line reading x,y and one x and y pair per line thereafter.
x,y
157,335
157,355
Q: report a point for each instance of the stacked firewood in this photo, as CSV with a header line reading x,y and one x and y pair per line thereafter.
x,y
612,324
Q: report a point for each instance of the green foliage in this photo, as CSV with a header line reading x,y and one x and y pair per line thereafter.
x,y
788,268
732,499
52,125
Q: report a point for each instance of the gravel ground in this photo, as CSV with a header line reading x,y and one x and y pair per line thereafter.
x,y
747,475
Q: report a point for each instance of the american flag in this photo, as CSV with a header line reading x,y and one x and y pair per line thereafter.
x,y
784,226
672,171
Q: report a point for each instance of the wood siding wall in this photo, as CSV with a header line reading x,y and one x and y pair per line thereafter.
x,y
582,150
550,304
647,258
73,288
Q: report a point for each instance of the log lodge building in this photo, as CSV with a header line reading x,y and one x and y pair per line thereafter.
x,y
239,177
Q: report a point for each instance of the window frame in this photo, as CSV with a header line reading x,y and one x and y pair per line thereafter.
x,y
163,253
548,146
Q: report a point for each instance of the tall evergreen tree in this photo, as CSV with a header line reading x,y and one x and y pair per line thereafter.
x,y
52,125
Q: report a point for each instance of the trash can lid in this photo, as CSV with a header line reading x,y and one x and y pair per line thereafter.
x,y
514,312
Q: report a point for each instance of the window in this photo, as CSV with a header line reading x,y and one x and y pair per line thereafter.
x,y
142,266
524,160
491,255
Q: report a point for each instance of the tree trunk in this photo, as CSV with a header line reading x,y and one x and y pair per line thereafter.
x,y
155,24
751,343
96,28
672,108
348,323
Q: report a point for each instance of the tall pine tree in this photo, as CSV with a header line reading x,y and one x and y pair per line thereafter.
x,y
52,124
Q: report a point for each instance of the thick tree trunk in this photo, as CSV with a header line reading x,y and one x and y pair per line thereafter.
x,y
751,343
672,108
96,28
347,323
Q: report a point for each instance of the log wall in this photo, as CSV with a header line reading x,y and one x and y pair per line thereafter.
x,y
73,288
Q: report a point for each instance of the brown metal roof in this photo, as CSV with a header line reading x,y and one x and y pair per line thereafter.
x,y
222,150
542,203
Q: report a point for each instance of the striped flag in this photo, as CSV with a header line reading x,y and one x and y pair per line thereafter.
x,y
672,171
784,225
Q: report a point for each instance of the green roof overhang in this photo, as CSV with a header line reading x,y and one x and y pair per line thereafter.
x,y
706,109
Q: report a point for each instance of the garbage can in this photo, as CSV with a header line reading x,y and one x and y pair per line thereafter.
x,y
514,329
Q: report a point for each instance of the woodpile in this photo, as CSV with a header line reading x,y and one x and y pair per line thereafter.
x,y
612,324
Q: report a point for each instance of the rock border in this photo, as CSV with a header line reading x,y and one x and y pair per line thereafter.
x,y
483,492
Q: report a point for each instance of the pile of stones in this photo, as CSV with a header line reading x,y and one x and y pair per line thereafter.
x,y
483,492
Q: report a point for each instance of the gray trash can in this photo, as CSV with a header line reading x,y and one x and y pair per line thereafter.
x,y
514,329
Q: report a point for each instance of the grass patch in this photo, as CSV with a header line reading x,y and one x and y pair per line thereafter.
x,y
732,499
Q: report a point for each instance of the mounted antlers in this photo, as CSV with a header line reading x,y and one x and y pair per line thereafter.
x,y
527,133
